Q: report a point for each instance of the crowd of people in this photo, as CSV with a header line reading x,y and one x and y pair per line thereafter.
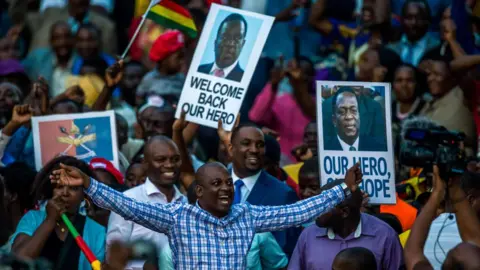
x,y
187,196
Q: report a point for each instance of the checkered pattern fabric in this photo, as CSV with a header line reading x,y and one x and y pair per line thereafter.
x,y
201,241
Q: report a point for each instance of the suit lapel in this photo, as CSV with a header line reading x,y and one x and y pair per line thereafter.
x,y
259,191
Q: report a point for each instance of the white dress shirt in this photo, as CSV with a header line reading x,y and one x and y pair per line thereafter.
x,y
346,146
442,237
226,70
249,182
125,230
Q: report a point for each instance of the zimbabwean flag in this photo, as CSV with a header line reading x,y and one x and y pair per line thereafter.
x,y
171,15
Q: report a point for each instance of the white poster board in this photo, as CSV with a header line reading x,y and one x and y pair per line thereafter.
x,y
222,66
354,125
82,135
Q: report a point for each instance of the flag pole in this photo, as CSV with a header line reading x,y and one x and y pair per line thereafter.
x,y
139,27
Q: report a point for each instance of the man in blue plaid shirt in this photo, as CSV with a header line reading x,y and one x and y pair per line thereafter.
x,y
212,234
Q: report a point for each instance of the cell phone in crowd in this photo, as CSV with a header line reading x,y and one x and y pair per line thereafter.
x,y
144,256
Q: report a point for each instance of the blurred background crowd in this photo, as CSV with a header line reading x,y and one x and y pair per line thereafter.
x,y
61,57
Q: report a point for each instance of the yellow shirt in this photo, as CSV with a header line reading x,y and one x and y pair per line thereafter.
x,y
404,237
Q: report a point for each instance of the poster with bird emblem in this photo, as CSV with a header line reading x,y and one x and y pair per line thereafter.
x,y
83,136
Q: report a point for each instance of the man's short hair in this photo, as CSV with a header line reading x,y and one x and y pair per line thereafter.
x,y
419,2
237,129
359,257
91,28
57,24
310,166
343,89
233,17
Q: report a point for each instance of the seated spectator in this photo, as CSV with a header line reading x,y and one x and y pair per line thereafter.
x,y
408,102
280,111
42,233
343,227
447,106
416,41
76,13
356,258
54,63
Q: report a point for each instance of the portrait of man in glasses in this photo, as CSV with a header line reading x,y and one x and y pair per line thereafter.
x,y
228,46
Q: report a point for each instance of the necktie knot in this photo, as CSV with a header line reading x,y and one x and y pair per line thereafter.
x,y
352,148
219,73
237,197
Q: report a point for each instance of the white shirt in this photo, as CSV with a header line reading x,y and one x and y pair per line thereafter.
x,y
346,147
257,6
249,182
438,246
226,70
125,230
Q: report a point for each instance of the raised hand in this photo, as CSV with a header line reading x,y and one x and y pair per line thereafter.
x,y
439,185
180,124
224,135
114,74
69,176
55,208
277,74
448,30
76,94
21,114
354,177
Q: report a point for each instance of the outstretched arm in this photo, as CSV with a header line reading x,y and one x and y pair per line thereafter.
x,y
157,217
273,218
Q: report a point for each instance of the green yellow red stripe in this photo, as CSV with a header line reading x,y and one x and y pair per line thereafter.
x,y
169,4
173,16
81,244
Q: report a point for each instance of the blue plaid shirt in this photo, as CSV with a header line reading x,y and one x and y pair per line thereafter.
x,y
201,241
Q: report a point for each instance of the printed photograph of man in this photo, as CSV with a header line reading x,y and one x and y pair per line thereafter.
x,y
346,121
228,46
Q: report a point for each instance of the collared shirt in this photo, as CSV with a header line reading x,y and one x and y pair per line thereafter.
x,y
59,77
317,247
442,237
126,230
346,146
264,253
419,48
226,70
249,183
201,241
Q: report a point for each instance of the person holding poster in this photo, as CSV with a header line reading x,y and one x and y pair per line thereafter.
x,y
342,141
228,46
346,120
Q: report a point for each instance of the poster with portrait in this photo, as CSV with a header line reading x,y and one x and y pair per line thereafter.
x,y
222,66
83,136
355,126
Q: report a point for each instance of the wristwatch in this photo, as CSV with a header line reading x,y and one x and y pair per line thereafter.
x,y
346,190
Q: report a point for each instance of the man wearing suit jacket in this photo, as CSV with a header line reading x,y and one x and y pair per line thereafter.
x,y
253,184
228,47
346,120
76,13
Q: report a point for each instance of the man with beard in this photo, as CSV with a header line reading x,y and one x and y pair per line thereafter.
x,y
162,159
211,234
228,47
346,120
254,185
